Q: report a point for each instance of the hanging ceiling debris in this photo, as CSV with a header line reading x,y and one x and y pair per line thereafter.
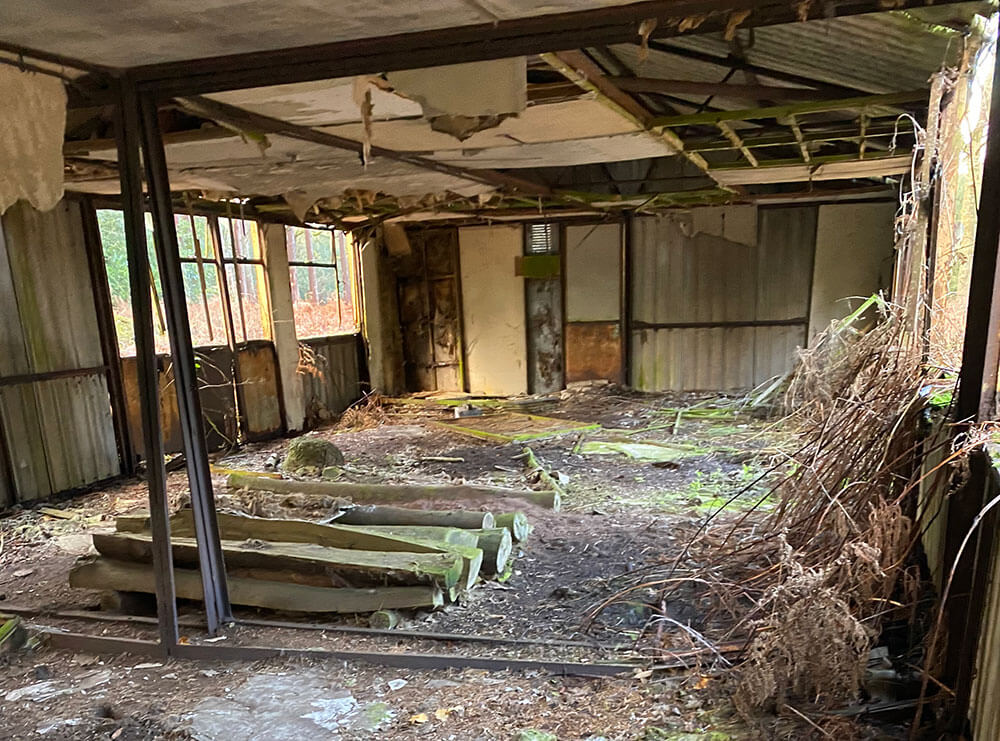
x,y
702,109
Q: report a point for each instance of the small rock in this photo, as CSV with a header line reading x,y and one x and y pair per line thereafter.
x,y
42,673
21,573
333,472
311,455
396,684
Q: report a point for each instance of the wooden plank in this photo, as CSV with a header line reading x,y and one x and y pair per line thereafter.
x,y
390,493
241,527
102,573
352,567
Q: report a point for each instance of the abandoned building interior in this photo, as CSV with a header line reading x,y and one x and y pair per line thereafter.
x,y
483,369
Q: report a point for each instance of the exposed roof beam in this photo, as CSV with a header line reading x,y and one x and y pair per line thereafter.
x,y
862,103
687,87
732,61
733,137
225,113
835,167
783,138
800,140
578,67
492,40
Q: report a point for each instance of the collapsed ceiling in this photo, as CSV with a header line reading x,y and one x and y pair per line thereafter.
x,y
699,116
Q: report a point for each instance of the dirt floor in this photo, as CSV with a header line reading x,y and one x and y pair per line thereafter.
x,y
621,515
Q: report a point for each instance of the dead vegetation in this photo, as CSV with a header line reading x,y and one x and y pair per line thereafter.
x,y
364,414
807,584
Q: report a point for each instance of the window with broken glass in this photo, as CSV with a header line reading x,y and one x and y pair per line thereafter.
x,y
320,271
223,269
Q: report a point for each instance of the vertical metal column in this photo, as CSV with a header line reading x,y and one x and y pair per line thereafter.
x,y
978,377
213,573
109,336
129,168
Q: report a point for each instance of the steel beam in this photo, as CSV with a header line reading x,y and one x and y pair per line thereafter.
x,y
212,567
129,169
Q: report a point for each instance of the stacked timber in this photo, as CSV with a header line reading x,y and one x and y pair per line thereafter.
x,y
372,559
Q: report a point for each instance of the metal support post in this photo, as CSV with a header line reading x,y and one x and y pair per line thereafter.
x,y
213,573
129,167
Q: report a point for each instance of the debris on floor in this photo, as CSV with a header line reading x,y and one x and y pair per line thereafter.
x,y
511,427
285,707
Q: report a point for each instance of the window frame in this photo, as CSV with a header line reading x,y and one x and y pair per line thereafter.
x,y
339,243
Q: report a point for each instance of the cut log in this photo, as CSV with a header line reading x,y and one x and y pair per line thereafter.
x,y
241,527
383,619
103,573
535,466
516,522
497,547
376,515
445,535
343,566
390,493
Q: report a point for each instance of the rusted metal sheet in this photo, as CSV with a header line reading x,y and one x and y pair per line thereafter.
x,y
720,297
169,420
594,351
333,384
55,406
261,397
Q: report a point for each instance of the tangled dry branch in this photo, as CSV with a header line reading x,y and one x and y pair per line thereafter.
x,y
810,580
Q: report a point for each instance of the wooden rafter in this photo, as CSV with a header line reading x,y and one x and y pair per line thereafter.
x,y
733,137
860,103
799,139
578,68
771,138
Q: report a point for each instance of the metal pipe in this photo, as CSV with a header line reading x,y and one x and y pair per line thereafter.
x,y
213,573
127,136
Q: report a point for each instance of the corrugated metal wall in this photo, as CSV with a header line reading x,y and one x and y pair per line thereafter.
x,y
335,382
54,402
720,296
258,388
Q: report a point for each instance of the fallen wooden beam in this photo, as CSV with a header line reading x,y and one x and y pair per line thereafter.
x,y
241,527
497,546
516,522
376,515
389,493
423,533
351,568
495,543
103,573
